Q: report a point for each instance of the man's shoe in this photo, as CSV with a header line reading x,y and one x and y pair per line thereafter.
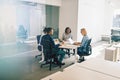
x,y
80,60
62,63
59,63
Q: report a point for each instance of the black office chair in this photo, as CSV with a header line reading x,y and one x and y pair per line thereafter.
x,y
68,52
49,57
85,51
39,46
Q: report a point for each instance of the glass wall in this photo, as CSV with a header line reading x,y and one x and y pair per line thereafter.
x,y
116,18
115,30
31,17
20,20
7,21
52,19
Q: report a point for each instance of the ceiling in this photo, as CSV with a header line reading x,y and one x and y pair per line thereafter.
x,y
115,3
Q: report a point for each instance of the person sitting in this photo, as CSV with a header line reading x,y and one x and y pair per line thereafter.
x,y
67,34
83,42
55,48
67,37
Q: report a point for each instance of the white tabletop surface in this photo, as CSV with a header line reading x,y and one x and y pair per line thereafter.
x,y
69,46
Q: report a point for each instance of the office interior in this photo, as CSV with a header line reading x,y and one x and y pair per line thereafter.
x,y
28,18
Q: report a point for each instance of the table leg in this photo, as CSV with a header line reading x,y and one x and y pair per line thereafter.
x,y
76,58
118,55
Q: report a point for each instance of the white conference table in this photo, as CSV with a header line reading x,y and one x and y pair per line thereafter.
x,y
102,66
70,46
79,73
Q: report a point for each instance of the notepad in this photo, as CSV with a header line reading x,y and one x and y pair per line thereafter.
x,y
56,41
70,41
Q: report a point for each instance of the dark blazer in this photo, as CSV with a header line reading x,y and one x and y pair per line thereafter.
x,y
47,37
49,47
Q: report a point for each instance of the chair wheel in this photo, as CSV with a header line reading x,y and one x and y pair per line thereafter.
x,y
60,65
83,59
35,56
41,65
69,55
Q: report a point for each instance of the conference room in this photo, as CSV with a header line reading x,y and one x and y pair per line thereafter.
x,y
59,39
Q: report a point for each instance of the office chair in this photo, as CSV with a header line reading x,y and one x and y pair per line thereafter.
x,y
68,52
85,51
49,57
40,48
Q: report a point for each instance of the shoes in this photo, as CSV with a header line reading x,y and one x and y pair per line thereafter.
x,y
81,60
62,63
59,63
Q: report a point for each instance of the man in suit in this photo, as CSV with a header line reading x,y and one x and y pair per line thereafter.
x,y
51,48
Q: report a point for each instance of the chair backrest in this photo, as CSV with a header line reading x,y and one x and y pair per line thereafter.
x,y
38,42
38,39
47,49
87,47
40,48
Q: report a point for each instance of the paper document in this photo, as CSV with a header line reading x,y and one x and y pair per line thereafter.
x,y
70,41
56,41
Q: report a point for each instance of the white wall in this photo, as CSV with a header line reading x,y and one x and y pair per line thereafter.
x,y
91,17
54,2
49,2
68,17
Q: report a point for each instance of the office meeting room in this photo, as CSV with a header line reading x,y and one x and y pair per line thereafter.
x,y
59,39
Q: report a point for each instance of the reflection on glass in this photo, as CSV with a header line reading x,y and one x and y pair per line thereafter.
x,y
22,33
